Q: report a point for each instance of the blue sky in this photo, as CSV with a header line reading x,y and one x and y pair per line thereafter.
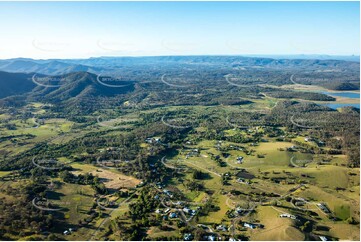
x,y
85,29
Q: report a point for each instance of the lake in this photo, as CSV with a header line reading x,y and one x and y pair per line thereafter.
x,y
339,105
343,94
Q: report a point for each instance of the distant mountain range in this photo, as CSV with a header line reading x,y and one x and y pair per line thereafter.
x,y
355,58
112,64
73,80
51,67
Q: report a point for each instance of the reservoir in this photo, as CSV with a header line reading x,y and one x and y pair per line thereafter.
x,y
336,105
343,94
339,105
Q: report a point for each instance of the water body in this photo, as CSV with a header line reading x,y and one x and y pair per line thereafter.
x,y
339,105
343,94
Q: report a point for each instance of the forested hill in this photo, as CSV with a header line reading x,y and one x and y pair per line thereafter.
x,y
61,87
15,83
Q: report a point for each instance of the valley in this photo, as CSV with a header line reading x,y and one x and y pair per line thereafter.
x,y
179,148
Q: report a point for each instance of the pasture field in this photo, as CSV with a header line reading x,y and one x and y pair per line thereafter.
x,y
113,179
320,185
210,177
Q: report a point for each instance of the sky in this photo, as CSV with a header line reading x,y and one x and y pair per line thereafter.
x,y
44,30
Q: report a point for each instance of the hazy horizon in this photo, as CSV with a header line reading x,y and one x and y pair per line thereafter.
x,y
272,56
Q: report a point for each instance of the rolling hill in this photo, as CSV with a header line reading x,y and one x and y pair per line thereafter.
x,y
78,85
15,84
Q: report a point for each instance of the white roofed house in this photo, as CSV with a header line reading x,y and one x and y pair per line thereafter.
x,y
186,210
323,238
249,225
287,215
239,160
221,227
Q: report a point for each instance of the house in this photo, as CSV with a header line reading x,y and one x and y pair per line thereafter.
x,y
323,207
233,239
323,238
167,210
241,180
235,147
168,193
221,228
211,237
112,149
249,225
51,186
202,226
140,184
320,143
173,215
186,210
286,215
159,185
194,152
189,211
149,140
241,211
152,140
187,237
239,160
178,203
292,148
299,201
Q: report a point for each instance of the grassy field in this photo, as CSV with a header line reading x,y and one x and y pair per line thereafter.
x,y
322,179
4,173
113,179
276,228
271,177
